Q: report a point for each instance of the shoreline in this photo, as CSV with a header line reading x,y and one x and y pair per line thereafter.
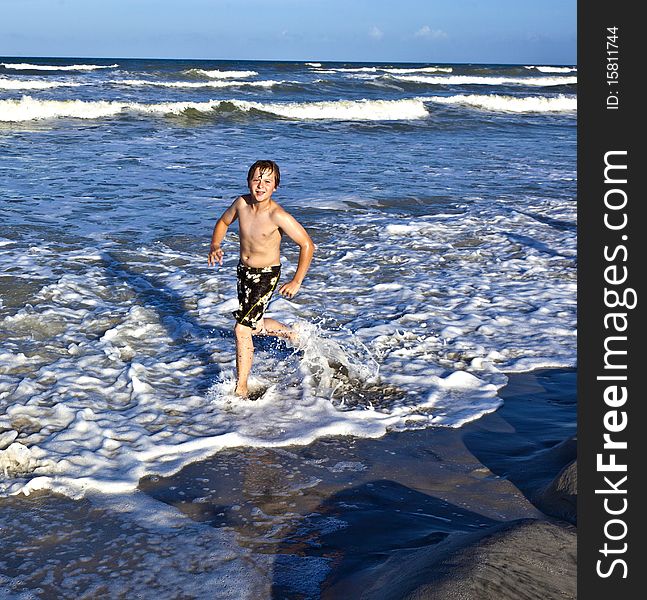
x,y
318,520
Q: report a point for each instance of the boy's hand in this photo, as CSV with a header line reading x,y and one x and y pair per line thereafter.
x,y
215,256
290,289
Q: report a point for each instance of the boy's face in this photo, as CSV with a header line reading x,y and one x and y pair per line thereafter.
x,y
262,184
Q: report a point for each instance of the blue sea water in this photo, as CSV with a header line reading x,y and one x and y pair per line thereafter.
x,y
441,199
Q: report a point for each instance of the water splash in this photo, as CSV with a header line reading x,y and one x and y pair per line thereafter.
x,y
337,365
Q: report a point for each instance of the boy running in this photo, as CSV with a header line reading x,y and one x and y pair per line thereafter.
x,y
262,223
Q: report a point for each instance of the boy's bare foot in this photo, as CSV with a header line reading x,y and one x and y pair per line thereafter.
x,y
241,391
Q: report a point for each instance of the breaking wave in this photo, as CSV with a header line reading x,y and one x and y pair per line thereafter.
x,y
393,70
217,74
476,80
30,67
421,70
497,103
553,69
28,108
201,84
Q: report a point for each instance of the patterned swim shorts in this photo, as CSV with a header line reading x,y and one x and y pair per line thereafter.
x,y
255,288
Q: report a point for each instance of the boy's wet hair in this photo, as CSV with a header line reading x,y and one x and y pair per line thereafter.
x,y
265,165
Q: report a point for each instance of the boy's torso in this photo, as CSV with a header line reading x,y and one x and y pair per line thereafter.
x,y
260,236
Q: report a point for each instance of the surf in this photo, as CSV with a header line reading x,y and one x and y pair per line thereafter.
x,y
28,108
33,67
511,104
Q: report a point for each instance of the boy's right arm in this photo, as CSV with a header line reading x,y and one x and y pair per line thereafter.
x,y
219,231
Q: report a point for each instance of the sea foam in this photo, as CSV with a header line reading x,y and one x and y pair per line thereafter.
x,y
200,84
122,385
347,110
31,67
217,74
553,69
500,103
420,70
392,70
28,108
487,80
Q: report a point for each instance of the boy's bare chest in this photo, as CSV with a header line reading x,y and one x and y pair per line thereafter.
x,y
257,227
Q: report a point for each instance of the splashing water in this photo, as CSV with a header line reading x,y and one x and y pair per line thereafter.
x,y
319,364
328,362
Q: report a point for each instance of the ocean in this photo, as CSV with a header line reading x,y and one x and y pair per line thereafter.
x,y
441,199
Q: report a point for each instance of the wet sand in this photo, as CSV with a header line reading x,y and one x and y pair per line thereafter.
x,y
436,513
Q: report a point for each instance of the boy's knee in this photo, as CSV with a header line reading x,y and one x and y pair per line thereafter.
x,y
242,331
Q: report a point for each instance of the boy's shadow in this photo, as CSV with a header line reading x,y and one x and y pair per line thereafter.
x,y
186,332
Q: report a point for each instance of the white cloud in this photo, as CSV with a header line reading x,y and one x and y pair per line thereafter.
x,y
432,34
376,33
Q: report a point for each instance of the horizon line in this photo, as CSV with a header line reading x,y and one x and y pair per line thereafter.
x,y
322,60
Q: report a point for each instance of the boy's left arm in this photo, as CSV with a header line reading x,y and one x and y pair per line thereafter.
x,y
299,235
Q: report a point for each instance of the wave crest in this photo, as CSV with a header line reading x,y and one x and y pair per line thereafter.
x,y
30,67
420,70
218,74
348,110
497,103
481,80
553,69
201,84
28,108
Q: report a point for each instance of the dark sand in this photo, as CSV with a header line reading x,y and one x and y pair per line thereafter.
x,y
436,513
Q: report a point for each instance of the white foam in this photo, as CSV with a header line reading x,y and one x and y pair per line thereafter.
x,y
16,459
356,70
420,70
200,84
31,67
122,367
500,103
553,69
400,228
395,70
347,110
28,108
32,84
118,407
313,64
488,80
217,74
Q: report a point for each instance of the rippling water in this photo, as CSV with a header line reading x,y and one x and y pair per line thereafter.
x,y
441,199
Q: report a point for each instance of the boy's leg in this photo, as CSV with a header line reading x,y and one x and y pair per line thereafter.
x,y
244,357
272,327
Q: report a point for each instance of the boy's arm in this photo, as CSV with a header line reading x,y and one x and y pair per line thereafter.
x,y
300,236
219,231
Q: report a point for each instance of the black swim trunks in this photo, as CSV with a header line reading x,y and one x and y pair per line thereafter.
x,y
255,288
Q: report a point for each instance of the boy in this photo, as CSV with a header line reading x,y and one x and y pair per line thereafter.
x,y
262,222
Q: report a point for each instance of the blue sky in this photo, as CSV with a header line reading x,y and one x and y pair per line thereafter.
x,y
495,31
